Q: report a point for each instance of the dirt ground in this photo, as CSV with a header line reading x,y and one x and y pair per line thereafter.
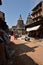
x,y
28,53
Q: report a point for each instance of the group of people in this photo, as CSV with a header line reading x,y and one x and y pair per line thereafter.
x,y
5,48
15,36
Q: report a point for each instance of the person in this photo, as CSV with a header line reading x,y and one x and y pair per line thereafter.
x,y
2,47
8,48
14,35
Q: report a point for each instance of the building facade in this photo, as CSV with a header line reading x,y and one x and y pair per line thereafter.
x,y
37,13
2,15
20,27
36,28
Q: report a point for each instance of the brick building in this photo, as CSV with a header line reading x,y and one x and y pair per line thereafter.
x,y
36,27
2,15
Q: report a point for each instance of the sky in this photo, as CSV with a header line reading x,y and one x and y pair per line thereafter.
x,y
13,9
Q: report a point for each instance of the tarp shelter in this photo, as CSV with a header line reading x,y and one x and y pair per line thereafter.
x,y
33,28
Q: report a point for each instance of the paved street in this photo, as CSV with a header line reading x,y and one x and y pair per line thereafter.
x,y
28,53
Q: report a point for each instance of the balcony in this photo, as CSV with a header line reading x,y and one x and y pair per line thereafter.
x,y
37,16
37,19
37,10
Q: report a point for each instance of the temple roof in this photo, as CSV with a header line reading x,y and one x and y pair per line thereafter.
x,y
37,5
29,16
29,19
20,18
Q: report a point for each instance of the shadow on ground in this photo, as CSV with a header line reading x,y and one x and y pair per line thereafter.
x,y
24,60
22,48
20,58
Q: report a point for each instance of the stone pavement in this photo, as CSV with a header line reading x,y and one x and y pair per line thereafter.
x,y
28,53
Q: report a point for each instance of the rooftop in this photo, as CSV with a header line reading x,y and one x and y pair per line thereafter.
x,y
20,18
37,5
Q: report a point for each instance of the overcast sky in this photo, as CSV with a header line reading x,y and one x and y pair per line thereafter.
x,y
13,9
